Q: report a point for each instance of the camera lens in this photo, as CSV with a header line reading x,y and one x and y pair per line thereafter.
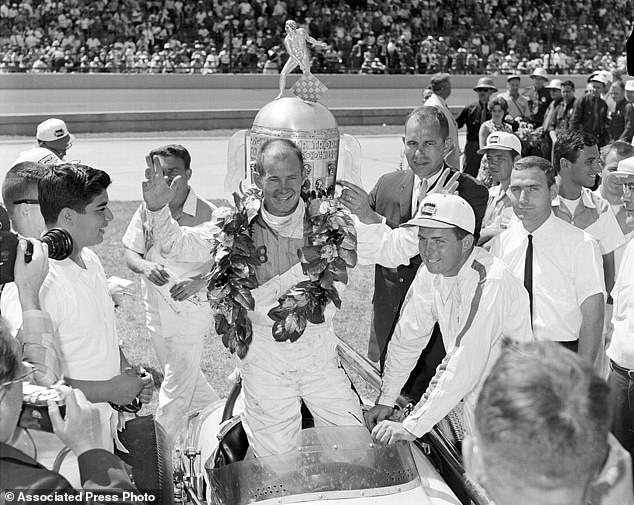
x,y
59,242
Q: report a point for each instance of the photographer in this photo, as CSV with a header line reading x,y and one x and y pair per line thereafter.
x,y
79,429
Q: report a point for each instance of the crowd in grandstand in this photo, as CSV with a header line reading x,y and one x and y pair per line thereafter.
x,y
367,36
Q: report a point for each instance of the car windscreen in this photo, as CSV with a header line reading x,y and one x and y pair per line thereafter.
x,y
336,462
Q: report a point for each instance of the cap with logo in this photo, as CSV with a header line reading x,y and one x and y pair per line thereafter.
x,y
503,141
51,129
485,83
625,167
554,84
444,211
540,72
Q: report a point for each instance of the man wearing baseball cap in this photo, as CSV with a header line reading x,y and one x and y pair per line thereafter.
x,y
539,96
473,115
591,112
554,88
629,91
53,141
502,150
469,294
518,105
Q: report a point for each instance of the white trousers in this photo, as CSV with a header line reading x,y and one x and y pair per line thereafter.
x,y
272,402
178,342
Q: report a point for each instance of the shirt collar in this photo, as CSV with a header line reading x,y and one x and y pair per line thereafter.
x,y
586,199
431,180
543,229
191,203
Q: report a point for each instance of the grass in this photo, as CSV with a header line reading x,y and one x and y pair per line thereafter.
x,y
352,323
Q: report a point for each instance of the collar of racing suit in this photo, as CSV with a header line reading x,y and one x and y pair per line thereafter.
x,y
291,226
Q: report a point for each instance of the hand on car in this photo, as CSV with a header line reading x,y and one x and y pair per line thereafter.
x,y
390,432
376,414
80,429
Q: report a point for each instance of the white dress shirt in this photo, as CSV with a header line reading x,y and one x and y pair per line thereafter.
x,y
621,349
567,269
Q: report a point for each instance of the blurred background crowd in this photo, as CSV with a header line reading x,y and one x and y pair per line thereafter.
x,y
363,36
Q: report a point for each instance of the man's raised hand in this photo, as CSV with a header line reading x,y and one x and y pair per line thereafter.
x,y
444,186
156,193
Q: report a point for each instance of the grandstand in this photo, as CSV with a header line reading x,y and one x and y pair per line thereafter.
x,y
395,36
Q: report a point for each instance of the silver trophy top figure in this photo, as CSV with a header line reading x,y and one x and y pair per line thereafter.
x,y
298,55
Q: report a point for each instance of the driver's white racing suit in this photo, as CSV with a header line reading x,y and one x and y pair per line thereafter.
x,y
276,375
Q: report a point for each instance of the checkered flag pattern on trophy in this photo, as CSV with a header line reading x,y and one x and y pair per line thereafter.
x,y
309,88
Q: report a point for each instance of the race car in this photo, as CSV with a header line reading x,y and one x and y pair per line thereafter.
x,y
338,465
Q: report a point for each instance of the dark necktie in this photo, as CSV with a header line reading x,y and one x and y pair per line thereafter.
x,y
528,273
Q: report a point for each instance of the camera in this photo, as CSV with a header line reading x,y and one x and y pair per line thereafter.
x,y
59,242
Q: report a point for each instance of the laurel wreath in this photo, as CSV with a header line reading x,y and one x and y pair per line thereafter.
x,y
331,250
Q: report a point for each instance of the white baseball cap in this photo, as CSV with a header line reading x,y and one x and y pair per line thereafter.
x,y
625,167
444,211
629,85
503,141
51,129
554,84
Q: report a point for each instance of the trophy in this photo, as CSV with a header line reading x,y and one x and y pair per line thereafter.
x,y
328,155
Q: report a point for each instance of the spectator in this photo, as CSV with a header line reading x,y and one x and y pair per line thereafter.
x,y
177,320
440,85
591,112
80,429
502,149
474,115
498,107
564,276
621,120
53,142
518,106
539,96
554,88
542,432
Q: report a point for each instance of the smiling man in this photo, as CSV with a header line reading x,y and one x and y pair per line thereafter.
x,y
74,197
470,294
577,161
276,375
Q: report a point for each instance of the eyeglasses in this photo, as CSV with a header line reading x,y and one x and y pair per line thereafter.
x,y
21,378
32,201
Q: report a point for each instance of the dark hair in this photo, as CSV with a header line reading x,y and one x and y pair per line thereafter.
x,y
569,144
538,163
71,186
620,84
437,81
173,151
275,149
20,181
568,83
428,113
9,359
460,233
498,100
542,416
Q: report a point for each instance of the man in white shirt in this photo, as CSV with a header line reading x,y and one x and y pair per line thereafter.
x,y
53,141
559,264
501,150
577,161
440,85
464,289
542,433
74,197
178,316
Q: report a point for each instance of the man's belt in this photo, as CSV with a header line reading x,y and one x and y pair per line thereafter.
x,y
621,370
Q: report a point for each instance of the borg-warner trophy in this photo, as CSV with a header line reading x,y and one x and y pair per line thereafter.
x,y
328,155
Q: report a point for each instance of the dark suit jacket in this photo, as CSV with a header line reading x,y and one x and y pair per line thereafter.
x,y
99,470
392,198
